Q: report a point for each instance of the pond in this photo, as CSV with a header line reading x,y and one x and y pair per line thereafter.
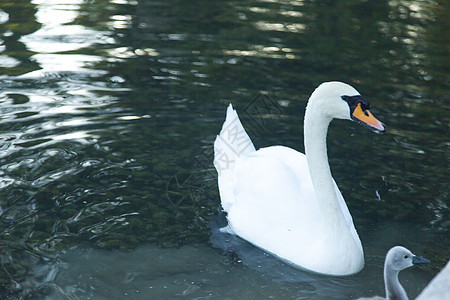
x,y
108,114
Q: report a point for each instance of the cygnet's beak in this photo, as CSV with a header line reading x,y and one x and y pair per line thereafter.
x,y
419,260
366,118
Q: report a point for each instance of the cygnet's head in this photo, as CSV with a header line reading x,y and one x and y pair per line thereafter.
x,y
400,258
342,101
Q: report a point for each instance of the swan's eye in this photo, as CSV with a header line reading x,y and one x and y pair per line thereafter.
x,y
406,256
353,101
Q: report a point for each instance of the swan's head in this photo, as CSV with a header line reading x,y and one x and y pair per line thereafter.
x,y
400,258
341,101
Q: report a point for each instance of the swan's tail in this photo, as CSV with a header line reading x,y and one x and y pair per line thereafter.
x,y
230,144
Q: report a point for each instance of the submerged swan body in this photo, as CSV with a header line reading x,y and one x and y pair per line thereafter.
x,y
286,202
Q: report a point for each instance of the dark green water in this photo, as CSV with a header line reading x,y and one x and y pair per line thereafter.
x,y
109,110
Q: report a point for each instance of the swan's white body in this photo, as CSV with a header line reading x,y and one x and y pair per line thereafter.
x,y
285,202
439,287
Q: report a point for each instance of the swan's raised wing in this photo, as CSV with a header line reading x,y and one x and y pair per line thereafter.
x,y
231,144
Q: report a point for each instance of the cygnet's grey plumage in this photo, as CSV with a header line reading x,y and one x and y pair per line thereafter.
x,y
439,287
397,259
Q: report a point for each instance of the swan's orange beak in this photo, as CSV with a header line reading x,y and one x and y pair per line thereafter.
x,y
366,118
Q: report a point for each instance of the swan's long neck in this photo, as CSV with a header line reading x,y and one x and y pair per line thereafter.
x,y
394,289
315,132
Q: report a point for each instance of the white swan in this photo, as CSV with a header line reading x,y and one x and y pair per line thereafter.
x,y
439,287
287,203
398,258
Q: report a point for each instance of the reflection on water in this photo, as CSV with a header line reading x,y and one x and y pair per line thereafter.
x,y
241,271
108,114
